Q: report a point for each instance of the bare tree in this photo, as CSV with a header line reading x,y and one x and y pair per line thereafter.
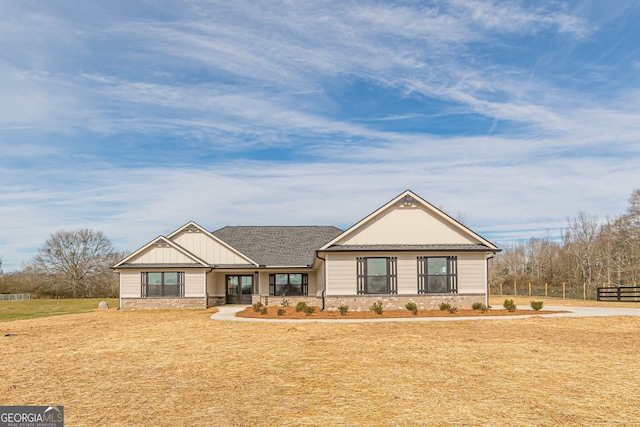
x,y
75,260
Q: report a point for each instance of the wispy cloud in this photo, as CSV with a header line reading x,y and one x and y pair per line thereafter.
x,y
135,117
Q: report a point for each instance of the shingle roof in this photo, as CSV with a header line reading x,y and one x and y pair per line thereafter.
x,y
443,247
278,245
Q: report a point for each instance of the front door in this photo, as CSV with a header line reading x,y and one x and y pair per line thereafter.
x,y
239,289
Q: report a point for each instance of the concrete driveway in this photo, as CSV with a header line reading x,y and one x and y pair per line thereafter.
x,y
228,313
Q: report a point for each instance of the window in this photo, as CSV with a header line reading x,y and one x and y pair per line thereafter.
x,y
437,275
377,275
163,284
289,284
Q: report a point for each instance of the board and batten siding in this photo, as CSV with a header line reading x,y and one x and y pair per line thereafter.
x,y
207,248
408,226
162,255
131,282
342,272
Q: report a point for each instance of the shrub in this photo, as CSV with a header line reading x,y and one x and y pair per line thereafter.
x,y
285,302
281,311
477,305
537,305
309,310
343,309
484,308
453,309
444,306
412,307
509,305
257,306
263,310
377,307
300,306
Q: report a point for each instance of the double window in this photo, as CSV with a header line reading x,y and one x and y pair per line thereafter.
x,y
437,275
162,284
289,284
377,275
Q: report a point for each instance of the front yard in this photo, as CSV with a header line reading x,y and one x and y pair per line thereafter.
x,y
173,368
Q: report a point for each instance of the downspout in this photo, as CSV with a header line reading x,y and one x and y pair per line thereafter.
x,y
488,286
324,288
206,288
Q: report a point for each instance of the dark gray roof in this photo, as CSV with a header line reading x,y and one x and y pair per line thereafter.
x,y
278,245
431,248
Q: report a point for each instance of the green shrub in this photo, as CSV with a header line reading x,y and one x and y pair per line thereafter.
x,y
444,306
537,305
343,309
412,307
453,309
484,308
509,305
281,312
257,306
309,310
300,306
376,307
477,305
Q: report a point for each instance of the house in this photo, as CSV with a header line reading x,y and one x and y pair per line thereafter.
x,y
405,251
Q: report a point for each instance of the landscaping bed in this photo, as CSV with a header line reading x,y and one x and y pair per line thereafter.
x,y
291,313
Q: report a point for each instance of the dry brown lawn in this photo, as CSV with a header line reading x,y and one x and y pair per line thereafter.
x,y
174,368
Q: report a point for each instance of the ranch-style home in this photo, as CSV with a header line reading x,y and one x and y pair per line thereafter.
x,y
405,251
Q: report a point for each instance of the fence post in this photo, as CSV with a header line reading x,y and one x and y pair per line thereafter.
x,y
545,290
529,288
584,290
563,291
500,288
618,293
515,288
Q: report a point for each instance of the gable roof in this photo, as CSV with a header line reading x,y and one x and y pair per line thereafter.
x,y
192,226
278,246
409,198
161,240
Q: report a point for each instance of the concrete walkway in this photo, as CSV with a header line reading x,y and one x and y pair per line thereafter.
x,y
228,312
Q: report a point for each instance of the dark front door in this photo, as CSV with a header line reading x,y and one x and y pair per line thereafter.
x,y
239,289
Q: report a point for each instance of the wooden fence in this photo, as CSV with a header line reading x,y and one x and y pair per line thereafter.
x,y
548,290
14,297
622,293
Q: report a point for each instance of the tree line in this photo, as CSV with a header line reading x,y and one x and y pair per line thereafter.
x,y
587,253
70,264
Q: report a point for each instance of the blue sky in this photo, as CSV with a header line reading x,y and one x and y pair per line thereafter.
x,y
134,117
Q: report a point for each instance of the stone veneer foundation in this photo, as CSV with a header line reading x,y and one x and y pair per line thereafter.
x,y
389,302
161,303
398,302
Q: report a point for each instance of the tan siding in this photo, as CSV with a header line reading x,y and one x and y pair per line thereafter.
x,y
130,284
320,278
407,274
208,249
161,255
341,274
409,226
194,283
472,273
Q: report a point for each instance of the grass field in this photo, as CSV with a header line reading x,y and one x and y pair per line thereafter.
x,y
173,368
31,309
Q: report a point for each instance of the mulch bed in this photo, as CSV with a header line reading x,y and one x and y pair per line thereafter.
x,y
291,313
